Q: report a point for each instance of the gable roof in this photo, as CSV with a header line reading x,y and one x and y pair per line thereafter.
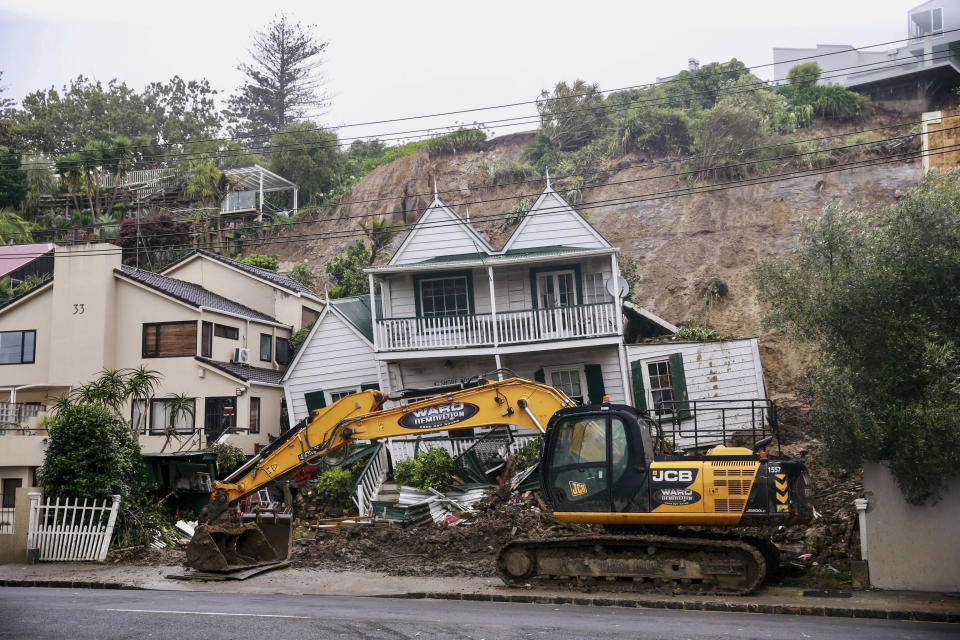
x,y
440,220
245,372
552,218
356,311
192,294
276,279
14,256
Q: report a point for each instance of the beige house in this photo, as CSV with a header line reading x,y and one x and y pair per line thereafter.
x,y
216,329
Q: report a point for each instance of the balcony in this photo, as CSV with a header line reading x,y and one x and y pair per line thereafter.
x,y
488,329
14,416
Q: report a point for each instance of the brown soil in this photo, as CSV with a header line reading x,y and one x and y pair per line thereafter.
x,y
468,548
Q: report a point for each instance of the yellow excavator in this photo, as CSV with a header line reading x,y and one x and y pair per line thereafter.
x,y
608,464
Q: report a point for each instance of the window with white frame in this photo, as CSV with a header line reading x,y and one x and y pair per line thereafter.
x,y
569,379
661,385
339,394
593,289
444,296
927,22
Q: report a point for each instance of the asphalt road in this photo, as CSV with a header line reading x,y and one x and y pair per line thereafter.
x,y
28,613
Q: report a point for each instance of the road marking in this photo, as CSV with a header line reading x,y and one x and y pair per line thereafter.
x,y
210,613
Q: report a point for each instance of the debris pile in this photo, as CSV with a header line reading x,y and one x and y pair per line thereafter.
x,y
466,546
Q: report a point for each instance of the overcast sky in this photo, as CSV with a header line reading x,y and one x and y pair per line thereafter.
x,y
395,59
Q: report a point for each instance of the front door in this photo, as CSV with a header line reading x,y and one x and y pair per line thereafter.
x,y
220,414
556,297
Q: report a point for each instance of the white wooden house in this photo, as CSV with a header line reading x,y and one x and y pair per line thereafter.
x,y
453,307
336,359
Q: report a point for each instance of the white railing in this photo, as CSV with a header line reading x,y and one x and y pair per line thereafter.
x,y
507,327
407,448
18,413
139,176
7,520
370,481
71,532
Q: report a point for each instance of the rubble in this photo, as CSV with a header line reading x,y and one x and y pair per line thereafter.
x,y
465,547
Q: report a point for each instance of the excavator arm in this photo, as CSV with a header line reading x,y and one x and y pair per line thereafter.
x,y
361,416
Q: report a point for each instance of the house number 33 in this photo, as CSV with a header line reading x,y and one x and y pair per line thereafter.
x,y
78,309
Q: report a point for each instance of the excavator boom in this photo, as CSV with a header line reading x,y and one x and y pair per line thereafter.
x,y
223,541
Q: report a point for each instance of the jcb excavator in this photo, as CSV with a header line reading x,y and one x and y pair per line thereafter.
x,y
605,464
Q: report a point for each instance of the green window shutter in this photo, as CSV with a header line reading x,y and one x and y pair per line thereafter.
x,y
370,385
315,400
679,383
639,395
595,390
540,376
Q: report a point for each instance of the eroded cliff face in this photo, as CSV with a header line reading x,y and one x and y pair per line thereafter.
x,y
681,242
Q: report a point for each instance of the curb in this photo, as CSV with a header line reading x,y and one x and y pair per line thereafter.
x,y
69,584
684,605
691,605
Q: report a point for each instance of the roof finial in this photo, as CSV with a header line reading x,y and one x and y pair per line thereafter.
x,y
436,194
548,178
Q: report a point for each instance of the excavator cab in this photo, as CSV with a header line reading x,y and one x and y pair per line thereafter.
x,y
596,459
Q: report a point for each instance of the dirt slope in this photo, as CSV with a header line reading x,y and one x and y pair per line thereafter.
x,y
681,243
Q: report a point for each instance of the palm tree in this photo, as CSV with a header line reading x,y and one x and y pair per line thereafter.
x,y
13,228
179,405
208,185
380,233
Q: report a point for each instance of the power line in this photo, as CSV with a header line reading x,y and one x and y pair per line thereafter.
x,y
682,173
624,200
522,120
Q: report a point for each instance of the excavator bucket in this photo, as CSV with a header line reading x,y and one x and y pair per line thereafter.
x,y
232,542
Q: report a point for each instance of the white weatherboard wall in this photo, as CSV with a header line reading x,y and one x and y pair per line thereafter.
x,y
334,357
439,231
721,370
551,222
894,529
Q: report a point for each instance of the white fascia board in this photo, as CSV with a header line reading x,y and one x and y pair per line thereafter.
x,y
566,208
499,261
269,323
440,205
303,347
350,325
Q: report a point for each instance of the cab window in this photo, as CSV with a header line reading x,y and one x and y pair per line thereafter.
x,y
581,441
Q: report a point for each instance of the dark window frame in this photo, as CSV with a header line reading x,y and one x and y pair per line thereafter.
x,y
254,428
156,338
276,350
442,275
206,339
150,428
269,344
226,331
23,342
12,504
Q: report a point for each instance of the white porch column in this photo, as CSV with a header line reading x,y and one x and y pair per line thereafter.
x,y
13,395
373,313
625,373
261,190
617,300
493,308
296,192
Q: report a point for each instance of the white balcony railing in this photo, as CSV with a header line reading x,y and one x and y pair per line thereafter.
x,y
507,327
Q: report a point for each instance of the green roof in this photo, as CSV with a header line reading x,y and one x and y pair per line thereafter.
x,y
512,253
357,312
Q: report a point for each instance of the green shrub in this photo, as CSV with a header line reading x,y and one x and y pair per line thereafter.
x,y
302,274
430,469
298,338
264,261
462,139
696,331
527,456
333,488
229,457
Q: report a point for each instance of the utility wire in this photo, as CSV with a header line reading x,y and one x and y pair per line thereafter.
x,y
683,173
623,200
515,121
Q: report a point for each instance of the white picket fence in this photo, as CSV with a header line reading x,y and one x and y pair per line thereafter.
x,y
71,532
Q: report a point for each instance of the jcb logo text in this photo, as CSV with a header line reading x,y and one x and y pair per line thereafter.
x,y
673,475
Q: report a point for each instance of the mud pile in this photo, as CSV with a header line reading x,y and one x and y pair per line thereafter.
x,y
466,548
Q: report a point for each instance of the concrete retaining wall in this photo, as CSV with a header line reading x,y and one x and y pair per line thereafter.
x,y
910,547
